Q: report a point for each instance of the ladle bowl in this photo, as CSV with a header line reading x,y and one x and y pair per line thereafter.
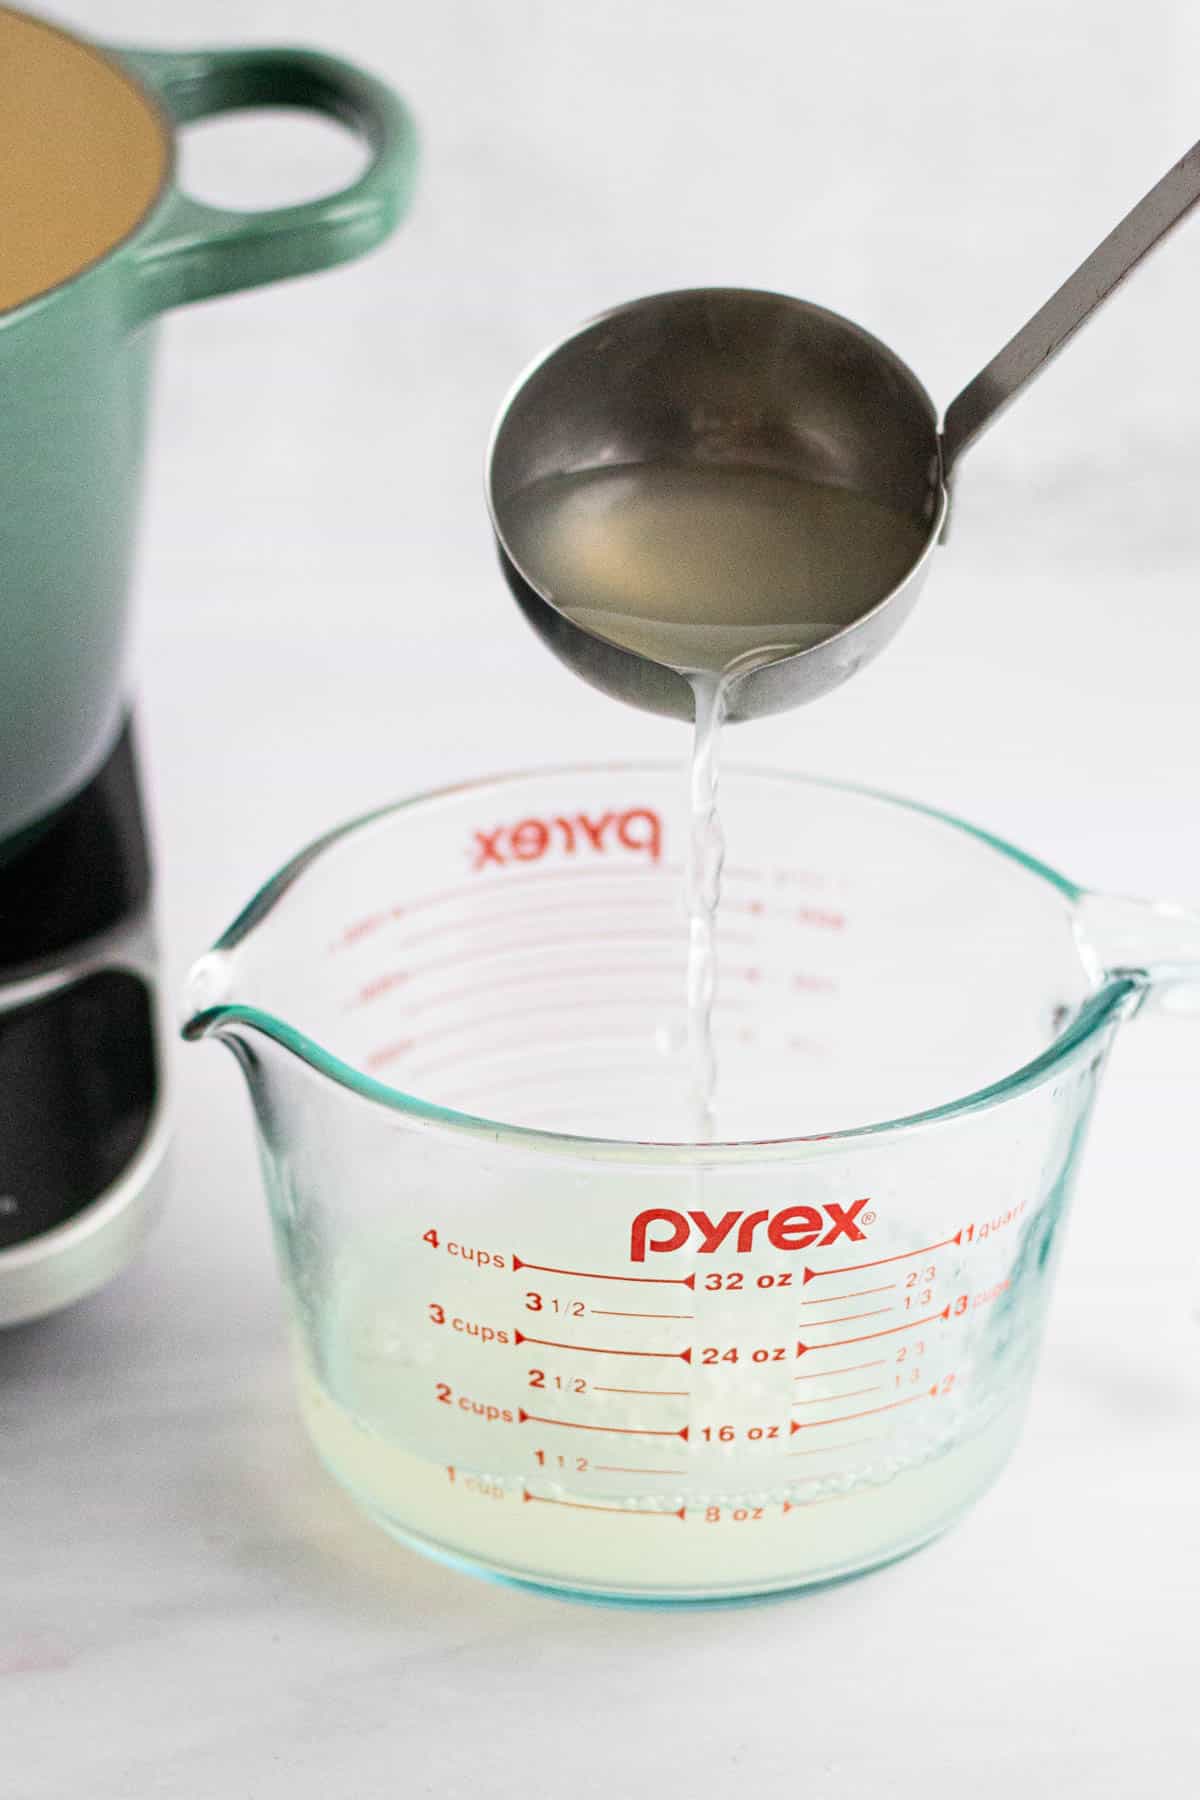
x,y
739,379
733,378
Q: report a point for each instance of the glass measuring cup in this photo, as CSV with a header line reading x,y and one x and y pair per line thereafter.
x,y
536,1336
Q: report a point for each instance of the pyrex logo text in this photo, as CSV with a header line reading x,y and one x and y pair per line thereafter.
x,y
792,1228
638,828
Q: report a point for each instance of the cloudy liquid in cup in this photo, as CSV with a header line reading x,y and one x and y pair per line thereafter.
x,y
712,571
810,1531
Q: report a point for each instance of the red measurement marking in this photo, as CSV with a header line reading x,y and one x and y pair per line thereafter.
x,y
600,971
853,1394
889,1331
801,878
850,1369
833,1449
858,1294
687,1281
378,1059
813,984
626,1512
654,1393
619,1469
519,1337
488,918
488,921
815,1424
447,896
821,917
876,1312
382,984
525,1418
491,949
473,891
606,1312
903,1256
461,1026
360,929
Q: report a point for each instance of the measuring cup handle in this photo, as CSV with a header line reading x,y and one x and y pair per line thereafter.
x,y
1155,942
192,251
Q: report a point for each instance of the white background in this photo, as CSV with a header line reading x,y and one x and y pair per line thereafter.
x,y
189,1608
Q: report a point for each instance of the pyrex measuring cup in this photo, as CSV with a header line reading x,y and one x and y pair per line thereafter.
x,y
538,1337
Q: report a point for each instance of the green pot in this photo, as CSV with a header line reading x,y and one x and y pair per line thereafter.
x,y
98,241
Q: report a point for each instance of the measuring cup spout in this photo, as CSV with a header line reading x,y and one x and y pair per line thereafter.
x,y
215,1006
209,987
1156,943
228,998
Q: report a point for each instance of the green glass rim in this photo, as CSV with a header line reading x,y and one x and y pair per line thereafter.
x,y
1101,1010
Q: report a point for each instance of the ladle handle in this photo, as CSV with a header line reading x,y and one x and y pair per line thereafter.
x,y
1038,342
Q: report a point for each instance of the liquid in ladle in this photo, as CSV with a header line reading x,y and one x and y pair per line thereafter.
x,y
710,571
696,567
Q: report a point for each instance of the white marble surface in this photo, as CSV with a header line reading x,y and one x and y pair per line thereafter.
x,y
188,1608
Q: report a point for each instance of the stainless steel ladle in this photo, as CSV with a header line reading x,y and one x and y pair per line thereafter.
x,y
732,376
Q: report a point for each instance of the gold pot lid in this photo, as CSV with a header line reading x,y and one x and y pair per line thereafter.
x,y
84,153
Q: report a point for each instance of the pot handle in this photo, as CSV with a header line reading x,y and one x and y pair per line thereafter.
x,y
192,251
